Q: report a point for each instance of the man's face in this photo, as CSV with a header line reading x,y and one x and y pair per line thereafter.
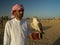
x,y
18,13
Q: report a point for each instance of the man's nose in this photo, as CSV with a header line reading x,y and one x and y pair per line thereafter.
x,y
21,12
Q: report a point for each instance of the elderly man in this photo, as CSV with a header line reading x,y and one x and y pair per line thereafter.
x,y
16,30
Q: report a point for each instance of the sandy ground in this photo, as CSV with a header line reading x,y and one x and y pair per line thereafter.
x,y
51,30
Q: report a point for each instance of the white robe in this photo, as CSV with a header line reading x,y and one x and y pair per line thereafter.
x,y
16,32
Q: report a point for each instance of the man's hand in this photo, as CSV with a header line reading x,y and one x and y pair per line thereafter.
x,y
34,36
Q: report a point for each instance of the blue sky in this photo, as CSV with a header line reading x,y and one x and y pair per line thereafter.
x,y
40,8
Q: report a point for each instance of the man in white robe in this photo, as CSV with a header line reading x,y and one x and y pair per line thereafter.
x,y
16,30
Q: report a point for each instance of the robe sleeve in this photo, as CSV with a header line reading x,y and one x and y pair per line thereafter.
x,y
28,30
7,37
